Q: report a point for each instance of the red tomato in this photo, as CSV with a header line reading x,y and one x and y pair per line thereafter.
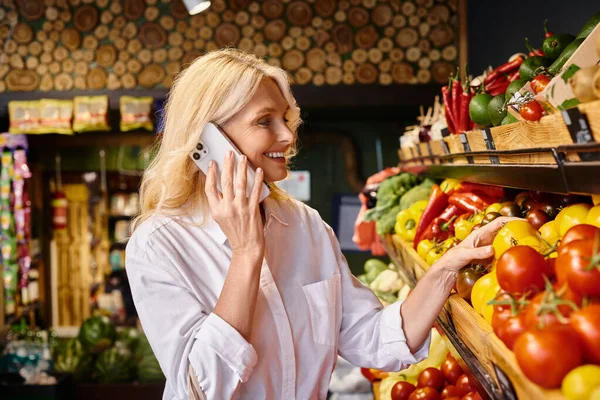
x,y
451,370
368,374
511,329
547,355
431,377
471,396
521,269
579,232
402,390
465,385
539,83
535,319
586,322
425,393
531,111
581,260
450,391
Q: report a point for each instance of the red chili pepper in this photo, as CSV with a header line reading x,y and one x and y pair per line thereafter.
x,y
465,119
470,202
505,68
438,201
499,89
442,227
533,51
448,110
514,76
488,190
456,91
547,33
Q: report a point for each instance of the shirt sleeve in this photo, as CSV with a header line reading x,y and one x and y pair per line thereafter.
x,y
181,330
371,335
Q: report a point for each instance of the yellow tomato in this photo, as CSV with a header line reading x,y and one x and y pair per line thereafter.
x,y
595,395
423,248
581,382
571,216
435,254
516,233
593,217
489,295
479,289
493,208
478,218
548,233
463,228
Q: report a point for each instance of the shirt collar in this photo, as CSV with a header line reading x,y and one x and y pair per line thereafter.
x,y
273,209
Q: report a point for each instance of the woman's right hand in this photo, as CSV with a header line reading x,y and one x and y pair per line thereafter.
x,y
238,216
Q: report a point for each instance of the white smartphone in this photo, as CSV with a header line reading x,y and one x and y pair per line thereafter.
x,y
213,145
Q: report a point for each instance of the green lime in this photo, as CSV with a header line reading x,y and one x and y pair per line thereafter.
x,y
513,88
478,109
496,110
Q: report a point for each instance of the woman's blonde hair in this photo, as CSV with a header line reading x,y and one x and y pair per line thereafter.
x,y
212,89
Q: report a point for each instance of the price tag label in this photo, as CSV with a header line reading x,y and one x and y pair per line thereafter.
x,y
579,128
445,149
466,146
430,152
490,145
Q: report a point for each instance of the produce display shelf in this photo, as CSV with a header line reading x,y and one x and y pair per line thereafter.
x,y
490,361
48,142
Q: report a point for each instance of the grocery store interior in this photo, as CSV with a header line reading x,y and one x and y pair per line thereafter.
x,y
423,121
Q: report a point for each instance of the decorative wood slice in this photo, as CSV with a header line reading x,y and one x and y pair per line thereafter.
x,y
407,37
348,78
159,56
399,21
366,37
402,73
323,37
101,32
367,3
441,70
130,31
366,73
41,69
275,30
413,54
128,81
63,82
295,31
175,39
119,22
449,53
303,43
47,83
299,13
246,44
227,34
106,55
106,17
119,68
206,33
16,61
334,59
68,65
349,66
425,63
424,76
11,46
168,81
151,76
316,59
414,21
51,14
272,9
385,79
385,44
441,35
424,45
247,31
292,60
46,58
191,34
173,68
358,17
330,47
134,9
275,50
32,63
303,76
424,29
48,46
22,50
325,8
151,13
435,55
212,19
86,18
375,55
60,53
342,36
385,66
23,34
228,16
359,56
339,16
31,10
258,21
19,80
134,66
382,15
178,10
116,8
440,11
96,79
153,35
113,82
145,56
238,4
190,57
176,53
333,75
408,8
319,79
260,38
260,50
80,83
168,22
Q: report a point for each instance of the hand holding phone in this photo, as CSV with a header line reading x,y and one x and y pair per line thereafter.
x,y
213,145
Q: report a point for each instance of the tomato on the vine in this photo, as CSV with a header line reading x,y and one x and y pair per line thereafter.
x,y
539,83
547,355
402,390
425,393
579,232
451,370
586,322
431,377
534,318
465,385
511,329
581,260
531,111
521,269
471,396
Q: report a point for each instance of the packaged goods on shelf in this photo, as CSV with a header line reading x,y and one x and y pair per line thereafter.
x,y
136,113
91,114
24,116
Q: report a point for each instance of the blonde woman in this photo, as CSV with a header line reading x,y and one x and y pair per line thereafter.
x,y
256,300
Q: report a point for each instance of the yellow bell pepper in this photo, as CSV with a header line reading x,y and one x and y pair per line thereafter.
x,y
408,220
593,216
478,218
449,184
517,233
571,216
424,247
463,228
549,234
596,199
493,208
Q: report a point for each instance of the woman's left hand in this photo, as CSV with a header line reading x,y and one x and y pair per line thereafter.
x,y
476,246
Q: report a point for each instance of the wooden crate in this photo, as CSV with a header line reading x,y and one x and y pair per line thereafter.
x,y
551,131
472,329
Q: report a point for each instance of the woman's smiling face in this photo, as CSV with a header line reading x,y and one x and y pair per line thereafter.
x,y
261,132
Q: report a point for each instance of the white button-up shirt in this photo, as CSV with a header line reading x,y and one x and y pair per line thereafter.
x,y
309,309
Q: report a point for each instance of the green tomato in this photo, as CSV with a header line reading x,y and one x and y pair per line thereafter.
x,y
581,382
